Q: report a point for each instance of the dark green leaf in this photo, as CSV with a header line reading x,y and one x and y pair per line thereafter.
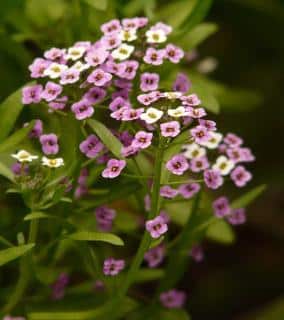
x,y
10,254
97,4
37,215
248,197
6,172
96,236
144,275
221,231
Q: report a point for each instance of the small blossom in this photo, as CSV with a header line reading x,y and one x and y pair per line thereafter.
x,y
188,190
123,52
91,147
182,83
156,227
111,41
199,164
99,78
177,164
237,216
178,112
128,70
168,192
75,53
197,253
96,57
82,109
111,27
58,287
172,95
129,151
193,150
213,179
148,98
170,129
151,115
214,140
54,70
24,156
54,54
154,57
131,114
149,81
99,285
173,299
51,91
112,267
95,95
32,94
114,168
200,134
162,26
38,67
224,165
71,75
119,103
173,53
128,35
192,100
105,217
155,256
240,176
49,143
142,139
59,103
196,113
19,169
80,66
208,124
36,130
156,36
52,163
233,140
221,207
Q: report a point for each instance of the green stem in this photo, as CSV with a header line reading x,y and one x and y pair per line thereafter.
x,y
25,274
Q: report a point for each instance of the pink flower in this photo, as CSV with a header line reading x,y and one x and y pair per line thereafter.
x,y
112,267
155,256
237,217
114,168
59,103
168,192
51,91
111,27
208,124
149,81
173,299
142,140
131,114
221,207
91,147
99,77
49,143
156,227
192,100
173,53
111,41
70,76
38,67
105,217
32,94
54,54
189,190
170,129
200,134
119,103
96,57
196,113
82,109
95,95
199,164
213,179
149,98
58,287
240,176
36,130
162,26
182,83
129,151
177,164
233,140
197,253
129,69
154,57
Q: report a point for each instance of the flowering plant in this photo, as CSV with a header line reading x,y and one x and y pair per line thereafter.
x,y
118,157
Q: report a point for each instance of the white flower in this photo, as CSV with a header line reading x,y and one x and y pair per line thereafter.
x,y
172,95
193,150
80,66
214,141
128,35
75,53
152,115
156,36
54,70
52,163
224,165
123,52
178,112
24,156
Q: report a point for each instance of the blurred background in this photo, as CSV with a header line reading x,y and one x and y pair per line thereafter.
x,y
243,277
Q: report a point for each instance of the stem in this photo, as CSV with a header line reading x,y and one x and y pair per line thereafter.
x,y
25,274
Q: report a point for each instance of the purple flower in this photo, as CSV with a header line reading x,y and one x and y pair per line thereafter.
x,y
91,147
31,94
131,114
119,103
173,299
51,91
196,113
188,190
197,253
38,67
149,81
142,140
213,179
200,134
240,176
199,164
154,56
182,83
59,103
82,109
155,256
173,53
125,138
104,217
96,57
149,98
19,169
58,287
81,191
112,267
49,143
129,151
114,168
70,76
208,124
237,216
168,192
233,140
170,129
221,207
36,130
192,100
111,27
156,227
95,95
177,164
129,69
99,77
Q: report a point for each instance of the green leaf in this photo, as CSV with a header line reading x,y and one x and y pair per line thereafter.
x,y
96,236
111,142
146,274
248,197
37,215
221,231
97,4
6,172
10,254
10,110
12,141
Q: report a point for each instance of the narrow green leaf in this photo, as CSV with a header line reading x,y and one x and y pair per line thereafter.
x,y
96,236
248,197
6,172
6,242
97,4
10,254
37,215
146,274
111,142
10,110
221,231
12,141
